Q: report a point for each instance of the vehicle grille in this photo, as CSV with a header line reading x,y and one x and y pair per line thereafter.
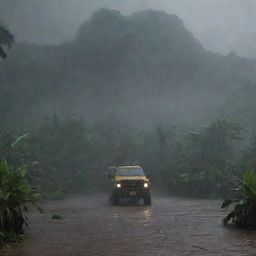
x,y
132,185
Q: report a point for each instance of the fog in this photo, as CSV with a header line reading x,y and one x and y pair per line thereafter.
x,y
107,71
168,85
220,26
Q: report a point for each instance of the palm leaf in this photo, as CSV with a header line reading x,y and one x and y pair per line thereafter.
x,y
6,39
243,213
226,203
2,53
19,139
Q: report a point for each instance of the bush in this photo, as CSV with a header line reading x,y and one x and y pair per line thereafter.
x,y
15,196
244,211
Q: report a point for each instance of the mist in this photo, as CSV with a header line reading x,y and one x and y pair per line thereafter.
x,y
123,76
220,26
127,103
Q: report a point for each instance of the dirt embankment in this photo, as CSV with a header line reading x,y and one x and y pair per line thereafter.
x,y
171,226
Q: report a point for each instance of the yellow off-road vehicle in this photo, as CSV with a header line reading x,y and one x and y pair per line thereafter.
x,y
130,182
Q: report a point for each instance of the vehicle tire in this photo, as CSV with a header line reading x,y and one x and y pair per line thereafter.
x,y
115,200
147,200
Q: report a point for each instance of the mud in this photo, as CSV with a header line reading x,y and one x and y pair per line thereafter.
x,y
171,226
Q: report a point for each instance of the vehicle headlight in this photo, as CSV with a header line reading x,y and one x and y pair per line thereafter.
x,y
118,185
146,185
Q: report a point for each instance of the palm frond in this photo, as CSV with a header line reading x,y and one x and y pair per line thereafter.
x,y
2,53
6,38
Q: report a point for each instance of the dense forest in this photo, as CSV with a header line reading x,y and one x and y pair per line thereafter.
x,y
128,89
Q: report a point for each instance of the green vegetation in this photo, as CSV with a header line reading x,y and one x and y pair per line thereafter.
x,y
244,212
15,196
67,156
207,160
6,40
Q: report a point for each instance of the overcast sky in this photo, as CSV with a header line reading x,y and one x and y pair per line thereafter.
x,y
220,25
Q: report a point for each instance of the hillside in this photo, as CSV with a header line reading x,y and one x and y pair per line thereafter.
x,y
144,68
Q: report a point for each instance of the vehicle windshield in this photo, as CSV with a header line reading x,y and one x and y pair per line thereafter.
x,y
130,172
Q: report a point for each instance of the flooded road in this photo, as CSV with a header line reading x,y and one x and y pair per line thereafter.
x,y
171,226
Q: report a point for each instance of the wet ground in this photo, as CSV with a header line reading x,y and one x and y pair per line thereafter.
x,y
171,226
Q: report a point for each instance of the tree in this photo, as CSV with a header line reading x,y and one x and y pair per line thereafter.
x,y
209,156
6,40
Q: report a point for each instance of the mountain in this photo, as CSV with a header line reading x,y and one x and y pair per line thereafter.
x,y
144,68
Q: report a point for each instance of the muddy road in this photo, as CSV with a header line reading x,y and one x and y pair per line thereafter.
x,y
171,226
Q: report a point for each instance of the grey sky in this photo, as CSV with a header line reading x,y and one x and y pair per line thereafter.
x,y
220,25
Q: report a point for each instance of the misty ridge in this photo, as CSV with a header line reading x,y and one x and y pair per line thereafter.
x,y
143,69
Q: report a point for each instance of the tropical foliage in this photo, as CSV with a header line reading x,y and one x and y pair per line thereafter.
x,y
72,156
6,40
15,197
244,211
